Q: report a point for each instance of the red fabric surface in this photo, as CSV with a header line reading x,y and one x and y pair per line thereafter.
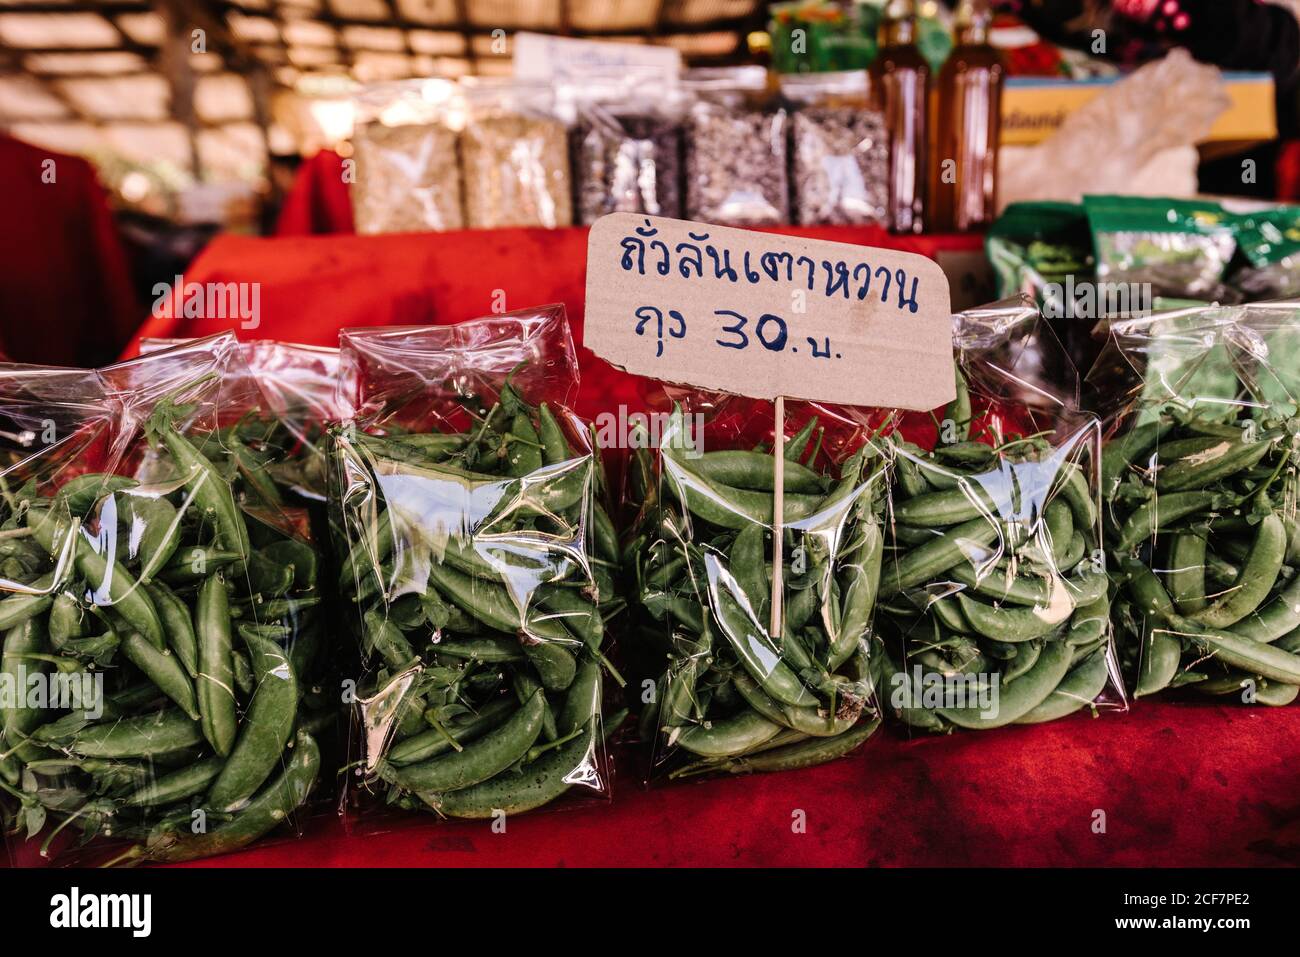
x,y
318,202
1191,784
65,290
311,287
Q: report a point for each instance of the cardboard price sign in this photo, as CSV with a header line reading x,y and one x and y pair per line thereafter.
x,y
765,315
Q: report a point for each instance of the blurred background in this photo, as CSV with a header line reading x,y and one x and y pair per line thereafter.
x,y
133,132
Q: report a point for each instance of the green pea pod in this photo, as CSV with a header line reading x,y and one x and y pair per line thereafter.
x,y
1019,699
162,668
16,721
1257,577
175,617
802,754
752,644
1235,651
1163,510
932,559
1278,617
81,493
431,743
1119,455
555,447
950,507
177,786
211,492
144,736
1224,459
1185,571
1077,690
727,737
267,726
580,616
860,579
194,563
1158,661
581,701
17,609
216,678
111,582
525,456
267,810
1016,624
958,411
754,471
152,530
539,782
491,604
483,759
494,649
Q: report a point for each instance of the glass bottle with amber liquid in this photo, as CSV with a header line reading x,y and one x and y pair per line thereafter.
x,y
963,183
902,80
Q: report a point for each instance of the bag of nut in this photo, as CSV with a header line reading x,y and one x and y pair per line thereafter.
x,y
840,154
735,148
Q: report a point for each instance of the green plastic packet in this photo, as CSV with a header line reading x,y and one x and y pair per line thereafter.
x,y
1178,247
1269,243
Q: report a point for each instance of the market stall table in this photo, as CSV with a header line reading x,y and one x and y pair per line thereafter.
x,y
1193,782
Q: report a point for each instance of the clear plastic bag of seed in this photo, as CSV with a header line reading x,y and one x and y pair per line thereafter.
x,y
625,144
406,175
751,647
514,155
993,605
479,562
1199,498
165,606
735,149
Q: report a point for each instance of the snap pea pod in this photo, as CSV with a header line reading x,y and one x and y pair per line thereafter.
x,y
215,683
28,637
268,809
265,730
431,743
139,737
753,470
111,582
938,556
177,786
1078,690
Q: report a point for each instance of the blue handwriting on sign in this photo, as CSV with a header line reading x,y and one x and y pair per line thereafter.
x,y
770,331
840,278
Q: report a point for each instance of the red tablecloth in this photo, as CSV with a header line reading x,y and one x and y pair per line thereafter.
x,y
1167,783
65,289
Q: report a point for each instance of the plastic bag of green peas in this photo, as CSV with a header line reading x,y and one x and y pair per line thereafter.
x,y
160,628
1199,499
479,564
729,683
993,605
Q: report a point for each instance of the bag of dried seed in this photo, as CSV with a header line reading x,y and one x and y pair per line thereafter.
x,y
839,155
993,604
1199,496
480,564
166,604
626,145
752,646
514,156
407,176
735,149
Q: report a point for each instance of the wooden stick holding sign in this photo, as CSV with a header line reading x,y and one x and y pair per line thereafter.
x,y
778,514
772,317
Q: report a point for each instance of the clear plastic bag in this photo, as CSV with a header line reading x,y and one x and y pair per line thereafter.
x,y
479,563
404,145
840,151
626,146
734,697
993,603
1199,496
159,577
735,149
514,157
